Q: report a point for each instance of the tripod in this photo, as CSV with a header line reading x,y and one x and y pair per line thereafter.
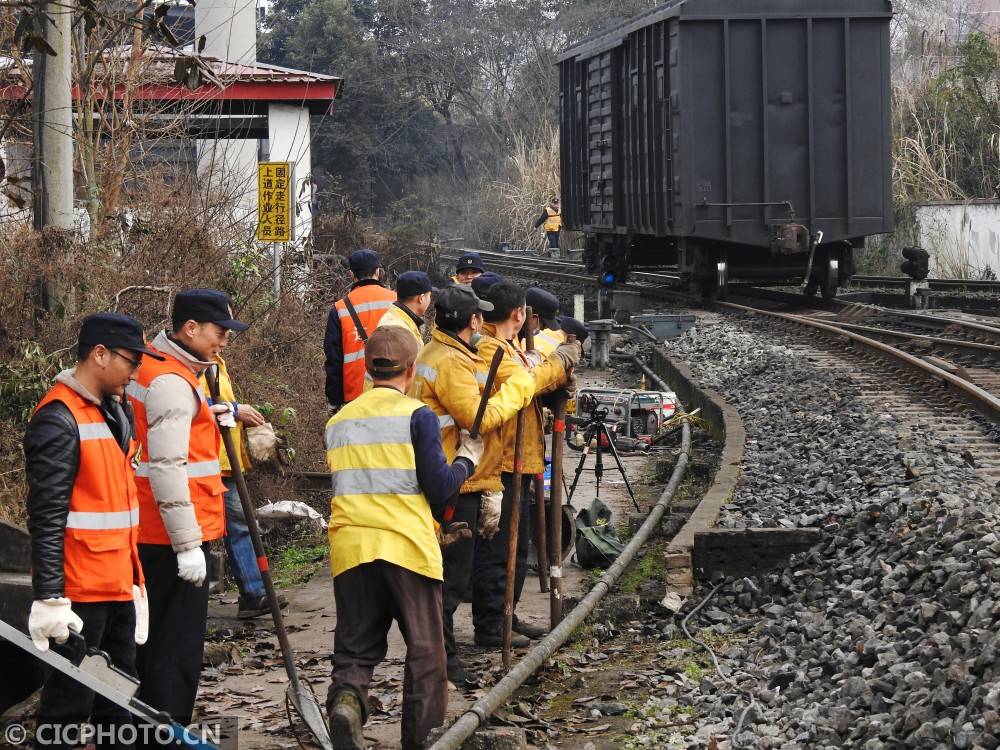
x,y
597,428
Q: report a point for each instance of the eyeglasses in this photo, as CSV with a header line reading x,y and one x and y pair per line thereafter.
x,y
136,363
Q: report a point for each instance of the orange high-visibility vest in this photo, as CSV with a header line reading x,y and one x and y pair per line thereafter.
x,y
203,470
553,222
370,303
100,559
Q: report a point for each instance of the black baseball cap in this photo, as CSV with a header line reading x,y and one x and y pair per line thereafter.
x,y
458,302
205,306
412,283
115,331
574,327
481,284
363,262
545,305
470,261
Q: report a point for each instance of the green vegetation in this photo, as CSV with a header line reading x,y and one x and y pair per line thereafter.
x,y
297,564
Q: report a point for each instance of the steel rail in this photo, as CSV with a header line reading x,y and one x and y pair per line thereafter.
x,y
957,343
983,400
483,708
972,284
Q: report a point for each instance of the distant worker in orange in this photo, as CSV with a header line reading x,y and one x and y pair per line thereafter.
x,y
351,321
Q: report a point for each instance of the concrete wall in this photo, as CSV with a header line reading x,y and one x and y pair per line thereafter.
x,y
288,140
963,239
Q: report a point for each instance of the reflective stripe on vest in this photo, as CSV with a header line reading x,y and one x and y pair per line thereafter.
x,y
429,374
203,471
371,301
547,341
112,519
99,557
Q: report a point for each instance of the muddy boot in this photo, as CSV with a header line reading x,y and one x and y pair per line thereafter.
x,y
346,721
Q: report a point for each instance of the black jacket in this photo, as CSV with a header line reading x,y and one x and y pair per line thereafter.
x,y
52,458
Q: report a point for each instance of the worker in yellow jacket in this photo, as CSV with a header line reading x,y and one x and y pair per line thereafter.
x,y
490,568
413,299
390,479
450,379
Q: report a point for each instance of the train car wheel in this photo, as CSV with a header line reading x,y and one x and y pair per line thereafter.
x,y
832,281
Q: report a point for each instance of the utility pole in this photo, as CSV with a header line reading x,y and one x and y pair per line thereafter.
x,y
52,107
52,132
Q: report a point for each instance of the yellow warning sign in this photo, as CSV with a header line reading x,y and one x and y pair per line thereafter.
x,y
274,201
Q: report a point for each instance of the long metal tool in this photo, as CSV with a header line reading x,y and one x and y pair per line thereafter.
x,y
298,694
555,501
512,535
541,546
95,672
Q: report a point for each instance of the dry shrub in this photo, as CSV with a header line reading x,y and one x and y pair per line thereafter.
x,y
177,242
514,202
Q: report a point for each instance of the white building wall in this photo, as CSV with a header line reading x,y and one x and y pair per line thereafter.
x,y
962,238
289,140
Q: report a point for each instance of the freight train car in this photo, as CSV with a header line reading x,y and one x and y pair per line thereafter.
x,y
743,139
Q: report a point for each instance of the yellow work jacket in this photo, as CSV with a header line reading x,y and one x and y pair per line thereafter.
x,y
547,340
227,393
554,221
399,318
378,511
450,380
548,375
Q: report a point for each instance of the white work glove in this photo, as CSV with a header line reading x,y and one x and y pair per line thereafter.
x,y
489,513
52,618
470,448
534,358
224,414
191,566
141,614
570,353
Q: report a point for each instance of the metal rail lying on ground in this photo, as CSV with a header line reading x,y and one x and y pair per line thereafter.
x,y
483,708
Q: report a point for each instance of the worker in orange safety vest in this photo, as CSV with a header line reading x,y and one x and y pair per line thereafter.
x,y
83,519
351,321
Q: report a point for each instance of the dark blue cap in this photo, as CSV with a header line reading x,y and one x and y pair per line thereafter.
x,y
363,262
575,327
412,283
115,331
484,282
545,305
470,262
205,306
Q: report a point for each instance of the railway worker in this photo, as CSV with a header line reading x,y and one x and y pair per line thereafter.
x,y
239,546
450,378
546,322
413,292
390,479
181,494
551,222
490,566
82,517
469,266
351,320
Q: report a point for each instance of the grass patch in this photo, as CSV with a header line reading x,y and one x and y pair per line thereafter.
x,y
649,567
297,564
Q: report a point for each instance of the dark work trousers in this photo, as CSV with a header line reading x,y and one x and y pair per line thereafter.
x,y
458,559
489,577
169,664
110,627
369,597
553,238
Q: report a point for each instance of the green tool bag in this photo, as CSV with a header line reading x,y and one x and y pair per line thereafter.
x,y
597,542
